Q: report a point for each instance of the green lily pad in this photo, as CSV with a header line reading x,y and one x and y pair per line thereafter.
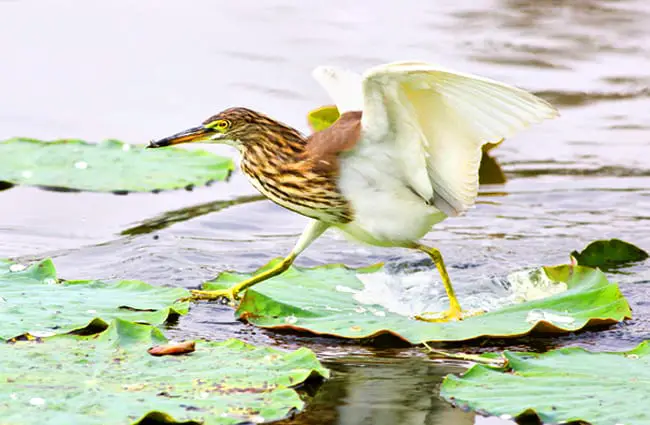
x,y
490,171
321,118
609,253
560,386
330,300
34,301
111,379
108,166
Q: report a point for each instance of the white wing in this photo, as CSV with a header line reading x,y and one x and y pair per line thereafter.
x,y
438,119
343,86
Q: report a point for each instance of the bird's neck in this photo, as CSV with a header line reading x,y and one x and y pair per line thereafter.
x,y
274,143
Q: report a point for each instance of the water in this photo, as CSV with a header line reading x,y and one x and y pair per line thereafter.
x,y
142,70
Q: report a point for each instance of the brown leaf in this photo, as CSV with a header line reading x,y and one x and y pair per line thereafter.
x,y
172,349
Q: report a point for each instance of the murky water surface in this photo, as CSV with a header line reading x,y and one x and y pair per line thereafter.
x,y
141,70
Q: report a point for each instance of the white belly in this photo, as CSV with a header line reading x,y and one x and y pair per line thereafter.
x,y
386,211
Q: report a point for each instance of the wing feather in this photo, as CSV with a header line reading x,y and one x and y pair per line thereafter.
x,y
439,119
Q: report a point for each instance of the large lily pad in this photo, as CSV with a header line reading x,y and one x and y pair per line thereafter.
x,y
331,300
561,386
490,171
609,253
33,300
111,379
108,166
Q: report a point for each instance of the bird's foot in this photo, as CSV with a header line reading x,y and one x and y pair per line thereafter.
x,y
229,296
453,314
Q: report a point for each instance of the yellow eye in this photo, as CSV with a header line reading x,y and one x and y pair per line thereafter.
x,y
220,125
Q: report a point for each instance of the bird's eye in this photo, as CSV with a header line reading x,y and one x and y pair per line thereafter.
x,y
220,125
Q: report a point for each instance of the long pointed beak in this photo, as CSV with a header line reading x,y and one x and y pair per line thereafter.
x,y
194,134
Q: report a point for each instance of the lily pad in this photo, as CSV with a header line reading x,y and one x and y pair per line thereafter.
x,y
560,386
609,253
331,300
490,171
321,118
111,379
34,301
108,166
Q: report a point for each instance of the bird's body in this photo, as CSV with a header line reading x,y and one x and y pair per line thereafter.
x,y
387,212
403,156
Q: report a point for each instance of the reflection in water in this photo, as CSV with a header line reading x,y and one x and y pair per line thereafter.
x,y
183,214
383,392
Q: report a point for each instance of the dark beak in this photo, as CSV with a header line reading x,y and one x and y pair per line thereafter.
x,y
194,134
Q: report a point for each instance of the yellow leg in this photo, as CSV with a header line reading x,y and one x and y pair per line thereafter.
x,y
454,312
313,230
233,293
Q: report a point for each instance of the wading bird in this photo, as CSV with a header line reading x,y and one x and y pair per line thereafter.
x,y
403,156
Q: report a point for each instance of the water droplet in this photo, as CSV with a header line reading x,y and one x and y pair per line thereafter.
x,y
506,417
257,419
27,174
37,401
379,313
535,316
50,281
81,165
332,308
17,268
360,310
347,289
95,311
126,147
13,396
355,328
291,319
42,334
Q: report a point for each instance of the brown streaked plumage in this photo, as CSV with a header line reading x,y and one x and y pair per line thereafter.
x,y
299,173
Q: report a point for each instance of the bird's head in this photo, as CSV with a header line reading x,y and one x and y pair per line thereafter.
x,y
233,126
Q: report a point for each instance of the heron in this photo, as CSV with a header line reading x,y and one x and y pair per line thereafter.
x,y
403,156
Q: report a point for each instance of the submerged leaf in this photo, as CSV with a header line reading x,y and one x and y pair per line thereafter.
x,y
561,386
108,166
111,379
333,300
33,301
609,253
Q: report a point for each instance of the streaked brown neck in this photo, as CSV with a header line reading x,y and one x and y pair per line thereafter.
x,y
275,142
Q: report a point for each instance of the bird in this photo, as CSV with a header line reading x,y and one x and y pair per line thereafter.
x,y
403,156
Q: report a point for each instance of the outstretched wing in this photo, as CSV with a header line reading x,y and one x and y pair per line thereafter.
x,y
438,120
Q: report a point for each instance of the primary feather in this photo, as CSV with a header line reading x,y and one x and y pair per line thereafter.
x,y
437,120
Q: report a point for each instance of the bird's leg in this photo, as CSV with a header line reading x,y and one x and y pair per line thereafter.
x,y
310,234
454,312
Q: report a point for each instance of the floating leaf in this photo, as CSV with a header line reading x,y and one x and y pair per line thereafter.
x,y
328,300
34,301
561,386
108,166
490,171
321,118
609,253
111,379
